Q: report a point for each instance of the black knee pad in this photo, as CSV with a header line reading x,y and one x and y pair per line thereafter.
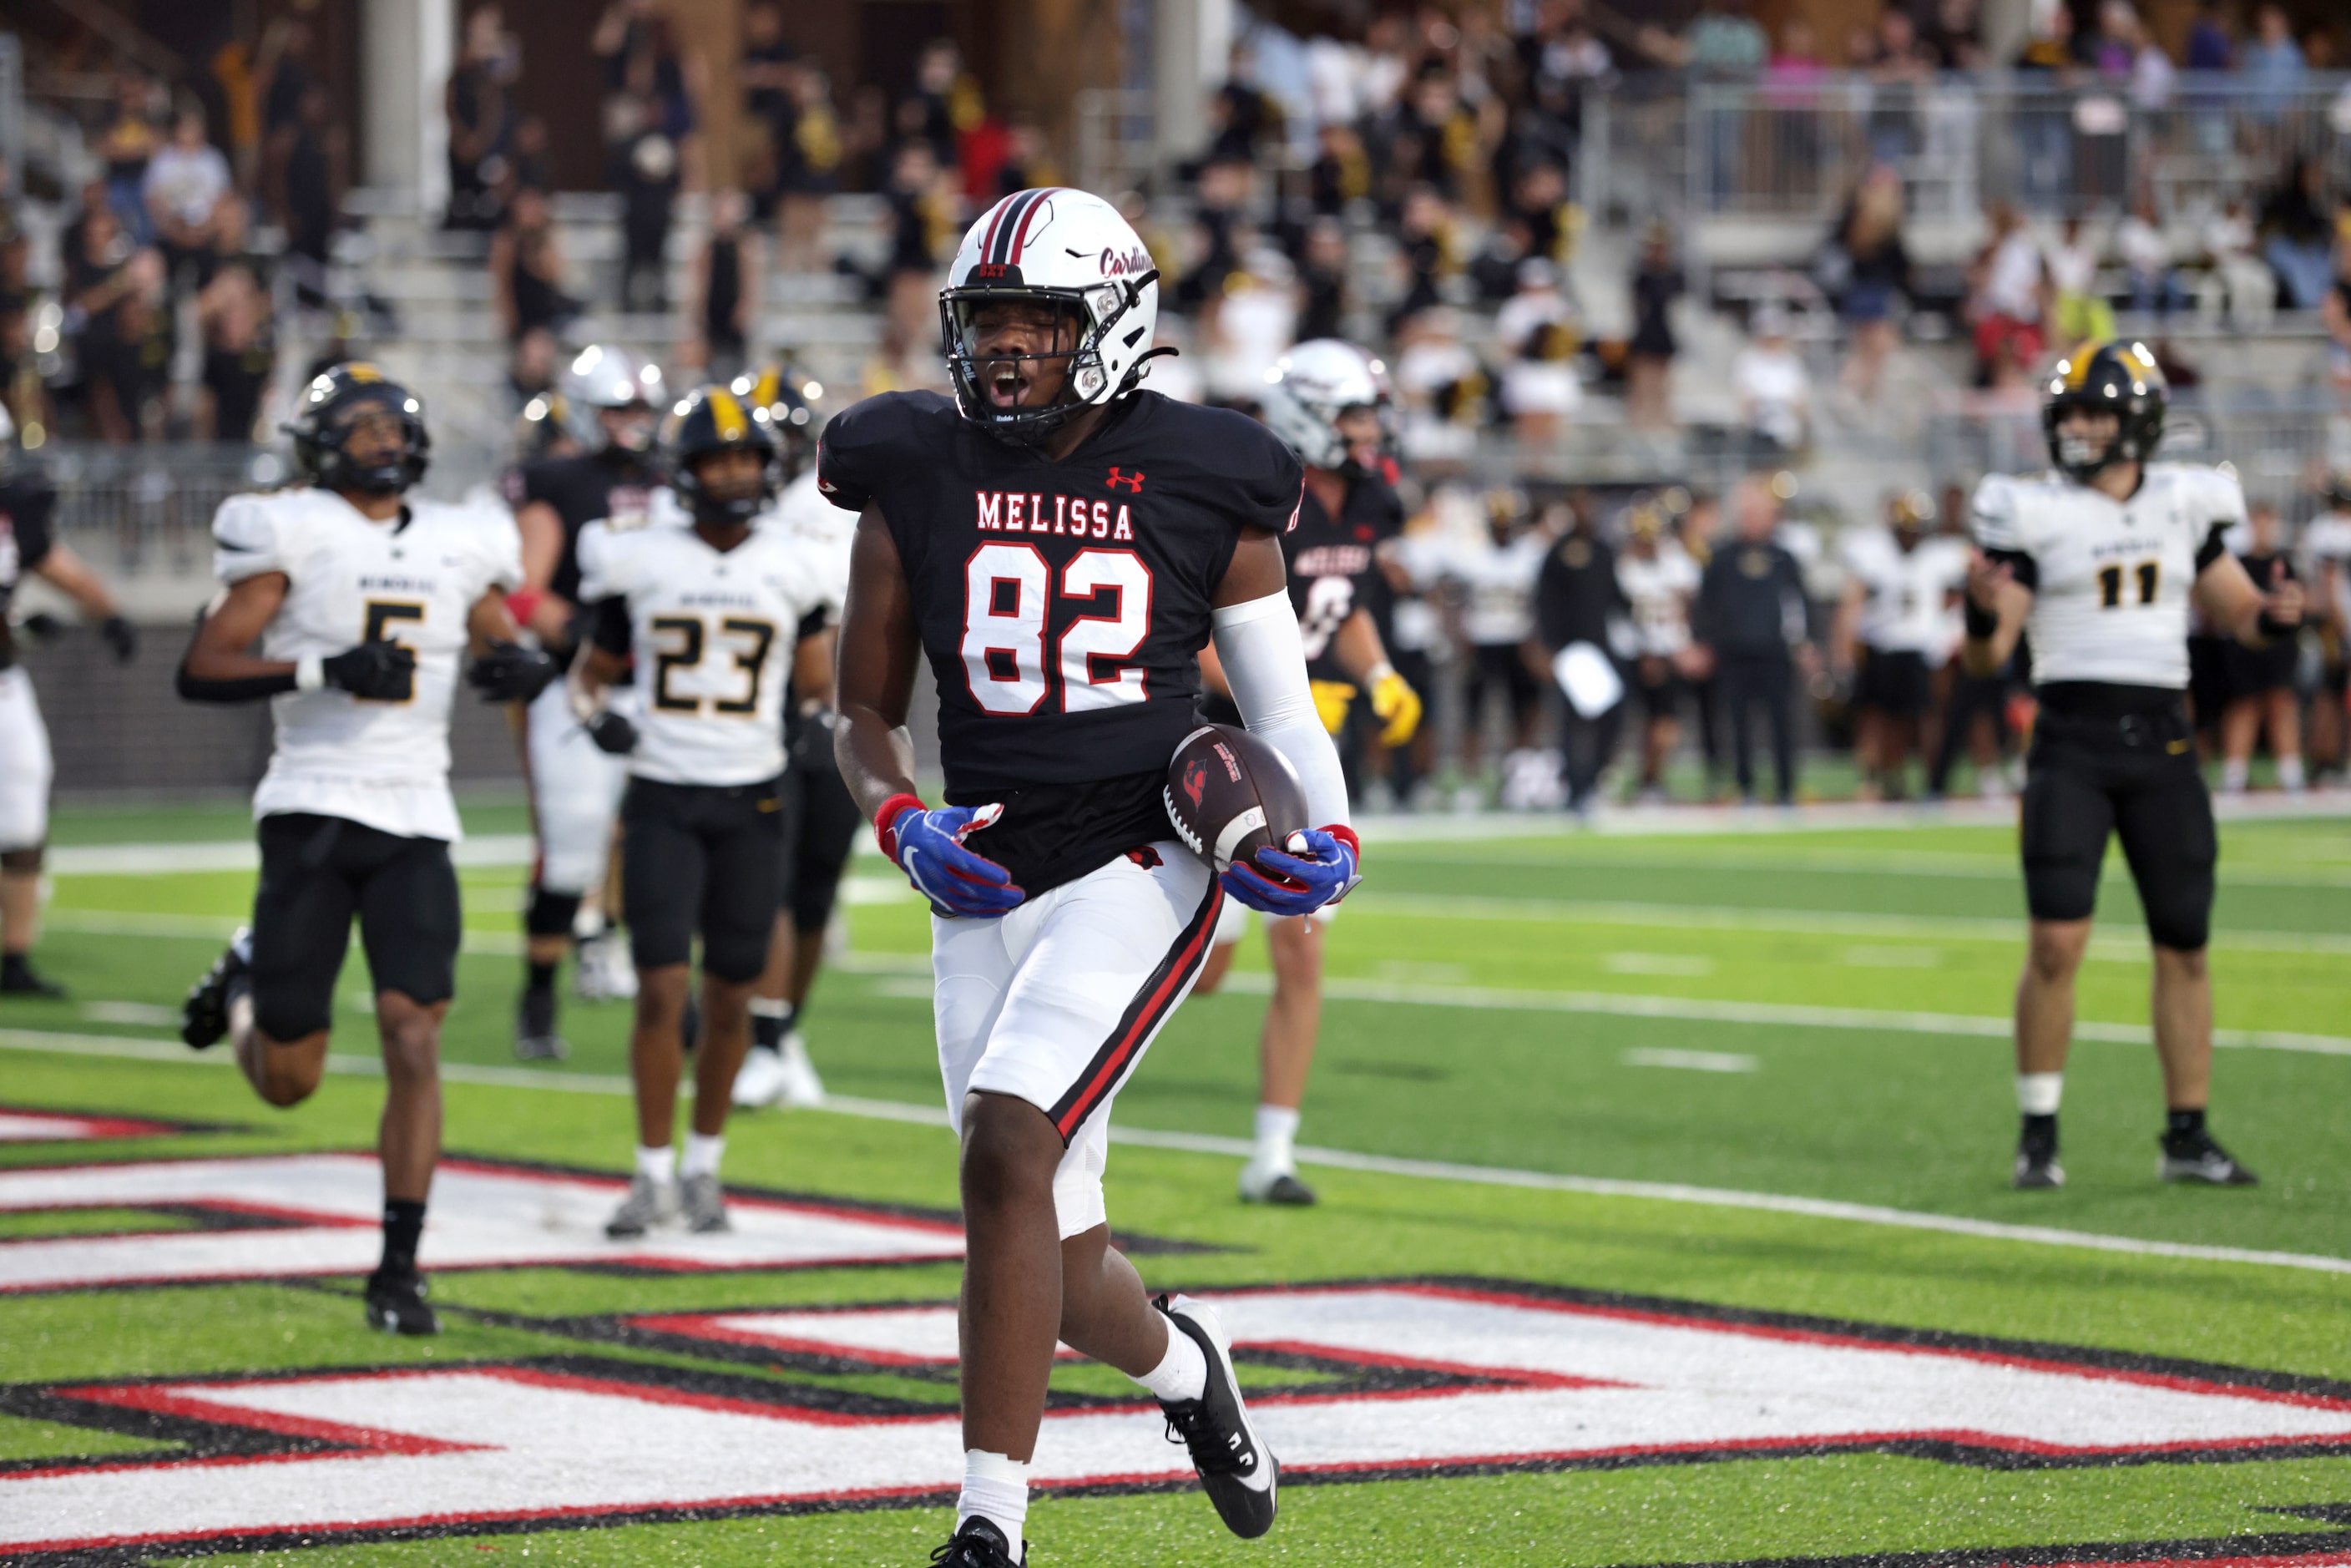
x,y
23,862
551,914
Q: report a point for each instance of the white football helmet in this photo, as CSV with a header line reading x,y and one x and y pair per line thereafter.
x,y
1310,386
605,377
1074,251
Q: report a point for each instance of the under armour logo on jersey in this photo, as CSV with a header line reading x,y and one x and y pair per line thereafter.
x,y
1134,482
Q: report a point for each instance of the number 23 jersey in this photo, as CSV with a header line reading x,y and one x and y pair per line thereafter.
x,y
412,580
2111,579
712,632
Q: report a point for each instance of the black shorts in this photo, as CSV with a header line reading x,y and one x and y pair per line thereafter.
x,y
821,822
2137,778
2257,671
2208,678
1894,682
315,873
1501,666
708,859
1660,697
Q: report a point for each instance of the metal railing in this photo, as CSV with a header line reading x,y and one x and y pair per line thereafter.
x,y
1797,148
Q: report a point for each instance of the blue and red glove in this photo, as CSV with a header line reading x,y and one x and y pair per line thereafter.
x,y
1318,869
927,845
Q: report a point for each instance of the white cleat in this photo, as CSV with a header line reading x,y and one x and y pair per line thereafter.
x,y
784,1077
604,973
802,1086
1276,1184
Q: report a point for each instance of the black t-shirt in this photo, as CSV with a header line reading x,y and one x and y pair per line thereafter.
x,y
582,490
1062,605
1576,592
28,508
1331,570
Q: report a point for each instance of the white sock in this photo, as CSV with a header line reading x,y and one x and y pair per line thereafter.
x,y
1182,1373
996,1489
2037,1094
655,1165
2233,773
1277,1126
701,1156
2289,773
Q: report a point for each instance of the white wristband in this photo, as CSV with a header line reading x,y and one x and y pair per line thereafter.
x,y
1378,672
309,673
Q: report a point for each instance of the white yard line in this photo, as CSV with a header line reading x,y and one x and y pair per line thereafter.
x,y
1484,999
102,1046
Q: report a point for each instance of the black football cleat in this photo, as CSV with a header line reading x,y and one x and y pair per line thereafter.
x,y
2196,1157
204,1017
1281,1189
978,1543
19,978
1237,1470
396,1304
535,1037
2036,1160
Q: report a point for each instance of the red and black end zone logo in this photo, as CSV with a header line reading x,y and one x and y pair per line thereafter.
x,y
1486,1377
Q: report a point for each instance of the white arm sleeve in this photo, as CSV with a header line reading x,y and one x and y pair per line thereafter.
x,y
1265,664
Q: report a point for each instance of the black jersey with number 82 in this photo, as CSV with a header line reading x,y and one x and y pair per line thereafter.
x,y
1062,605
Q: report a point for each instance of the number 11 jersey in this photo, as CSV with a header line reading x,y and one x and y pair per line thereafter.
x,y
1063,606
712,632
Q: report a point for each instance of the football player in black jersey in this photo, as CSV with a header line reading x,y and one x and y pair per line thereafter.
x,y
1059,544
28,543
613,401
1329,402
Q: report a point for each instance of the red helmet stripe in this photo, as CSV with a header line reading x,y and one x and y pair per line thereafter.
x,y
1029,220
1015,207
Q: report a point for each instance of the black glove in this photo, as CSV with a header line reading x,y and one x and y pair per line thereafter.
x,y
40,626
380,672
611,733
510,673
123,637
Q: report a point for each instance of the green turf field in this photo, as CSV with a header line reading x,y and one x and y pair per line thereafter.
x,y
1786,1050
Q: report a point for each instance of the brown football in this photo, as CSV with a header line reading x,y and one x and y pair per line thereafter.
x,y
1230,795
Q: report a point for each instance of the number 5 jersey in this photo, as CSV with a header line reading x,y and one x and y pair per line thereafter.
x,y
712,632
2110,578
412,580
1062,605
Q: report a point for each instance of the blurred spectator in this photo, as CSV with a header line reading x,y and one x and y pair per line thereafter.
x,y
1536,328
1440,386
186,184
1891,631
2210,48
945,104
532,367
1723,44
2009,292
2335,312
807,159
2231,249
1028,159
1342,170
2297,230
1869,268
1219,215
2261,680
1750,619
922,217
1953,37
644,163
481,119
2153,77
1497,567
1578,600
2272,63
1656,283
131,140
114,285
1894,59
527,164
1326,294
1658,580
1539,199
527,275
1774,388
2146,253
1249,325
1426,247
1430,137
283,74
725,303
1243,118
235,316
768,66
2076,310
659,82
312,175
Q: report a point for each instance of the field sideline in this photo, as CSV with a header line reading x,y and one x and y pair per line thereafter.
x,y
1654,1087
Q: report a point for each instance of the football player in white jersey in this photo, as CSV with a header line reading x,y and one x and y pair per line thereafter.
x,y
1891,634
29,547
2326,558
1658,581
364,603
821,821
712,614
2099,561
